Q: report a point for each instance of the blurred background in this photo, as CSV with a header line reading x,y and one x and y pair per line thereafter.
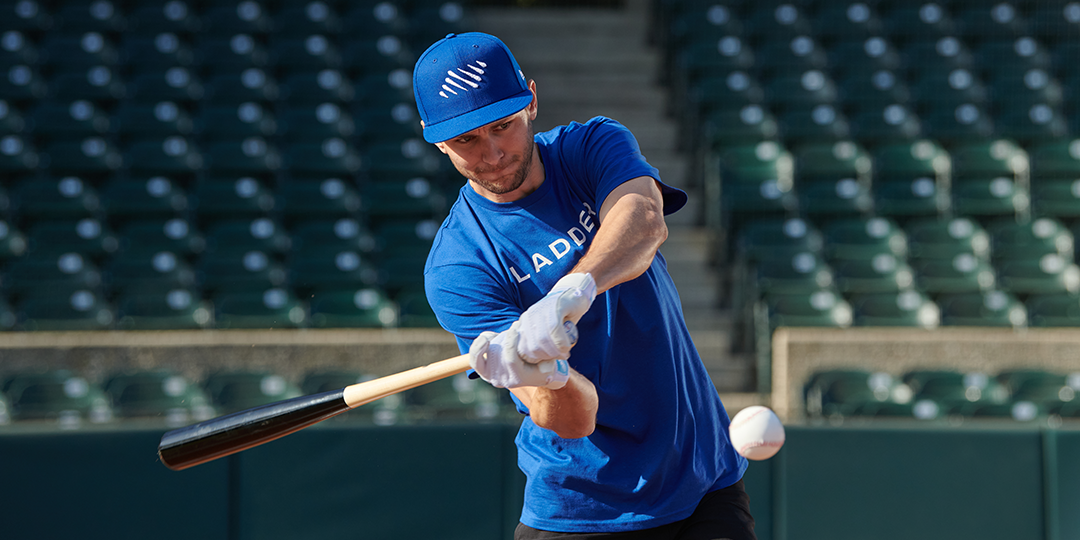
x,y
209,205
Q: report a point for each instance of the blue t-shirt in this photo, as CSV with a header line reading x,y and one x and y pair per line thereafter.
x,y
661,440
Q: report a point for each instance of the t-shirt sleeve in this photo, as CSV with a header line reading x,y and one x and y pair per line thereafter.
x,y
467,302
612,156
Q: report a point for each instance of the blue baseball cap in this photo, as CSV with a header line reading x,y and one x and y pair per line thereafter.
x,y
465,81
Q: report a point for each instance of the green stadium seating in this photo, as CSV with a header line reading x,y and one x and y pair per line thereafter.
x,y
57,396
234,17
407,199
147,51
100,83
924,19
159,395
232,391
376,54
1053,310
414,310
236,87
980,21
801,124
453,398
175,235
307,18
945,238
314,123
1039,386
239,271
749,124
1048,274
771,239
80,310
242,235
863,55
176,309
87,236
950,88
313,51
962,273
862,239
12,242
68,197
235,122
90,155
88,16
125,200
1056,198
821,308
823,160
314,88
330,267
171,155
60,274
344,234
1043,236
994,308
791,89
796,54
873,91
77,119
269,308
901,199
890,123
802,273
22,82
175,83
133,121
78,50
988,198
148,272
352,308
234,197
840,198
1040,122
252,155
334,155
882,273
847,20
955,125
327,198
780,21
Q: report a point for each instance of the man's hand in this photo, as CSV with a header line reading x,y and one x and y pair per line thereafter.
x,y
542,336
496,360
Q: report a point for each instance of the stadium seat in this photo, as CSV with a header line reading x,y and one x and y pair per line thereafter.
x,y
882,273
88,237
253,155
175,309
314,51
344,234
58,396
873,91
376,54
331,156
327,198
383,18
956,125
124,200
846,20
236,122
153,18
384,123
697,22
863,55
22,82
146,272
98,16
950,89
299,19
396,159
930,19
18,49
962,273
711,58
1045,388
892,123
994,308
827,200
777,239
26,16
163,396
823,160
233,197
69,197
408,199
243,235
733,90
61,120
862,239
822,308
838,391
12,242
11,119
236,87
99,83
234,17
779,21
802,124
1055,159
1056,198
909,308
1025,89
908,160
53,274
269,308
986,20
1040,122
1053,310
794,89
315,123
231,271
175,235
797,54
330,268
314,88
81,310
134,121
988,198
172,155
78,50
385,89
738,127
1043,236
1050,273
176,83
945,238
352,308
902,199
989,157
148,51
232,391
802,273
952,392
92,155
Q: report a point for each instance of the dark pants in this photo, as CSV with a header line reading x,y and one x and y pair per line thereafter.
x,y
723,514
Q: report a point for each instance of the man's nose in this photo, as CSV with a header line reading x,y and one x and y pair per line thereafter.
x,y
491,152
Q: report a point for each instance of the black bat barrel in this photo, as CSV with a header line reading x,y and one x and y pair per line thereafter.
x,y
218,437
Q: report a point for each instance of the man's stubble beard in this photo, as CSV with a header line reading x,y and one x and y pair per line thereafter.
x,y
519,175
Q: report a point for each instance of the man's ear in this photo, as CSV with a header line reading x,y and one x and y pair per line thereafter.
x,y
441,147
421,124
533,105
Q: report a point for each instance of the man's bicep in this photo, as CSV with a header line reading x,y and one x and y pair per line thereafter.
x,y
644,186
468,301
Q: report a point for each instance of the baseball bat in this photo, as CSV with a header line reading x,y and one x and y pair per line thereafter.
x,y
225,435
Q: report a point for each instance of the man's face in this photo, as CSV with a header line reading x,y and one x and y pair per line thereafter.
x,y
498,157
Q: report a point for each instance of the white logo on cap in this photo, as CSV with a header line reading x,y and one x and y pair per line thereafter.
x,y
455,80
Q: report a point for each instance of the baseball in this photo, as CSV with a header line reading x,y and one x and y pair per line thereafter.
x,y
756,433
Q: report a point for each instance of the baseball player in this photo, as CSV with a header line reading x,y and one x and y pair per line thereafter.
x,y
557,234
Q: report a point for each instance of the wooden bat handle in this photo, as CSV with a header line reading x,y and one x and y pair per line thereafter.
x,y
361,393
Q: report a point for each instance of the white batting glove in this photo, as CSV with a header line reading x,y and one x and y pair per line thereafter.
x,y
542,334
495,359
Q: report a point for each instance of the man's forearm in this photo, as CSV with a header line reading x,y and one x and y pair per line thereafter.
x,y
569,411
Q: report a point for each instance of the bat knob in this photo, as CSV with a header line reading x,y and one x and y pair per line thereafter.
x,y
571,331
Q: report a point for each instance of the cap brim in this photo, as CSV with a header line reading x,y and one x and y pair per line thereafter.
x,y
448,129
